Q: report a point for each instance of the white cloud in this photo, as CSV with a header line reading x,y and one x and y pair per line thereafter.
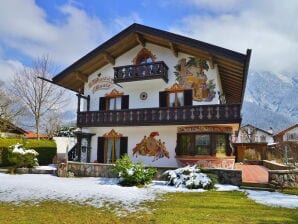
x,y
124,22
216,5
270,29
8,68
28,31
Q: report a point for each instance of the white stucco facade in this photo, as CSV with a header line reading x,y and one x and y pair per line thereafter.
x,y
151,87
135,133
291,135
259,136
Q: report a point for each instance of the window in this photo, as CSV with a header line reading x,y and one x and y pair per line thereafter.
x,y
143,57
185,144
263,138
111,146
202,144
194,144
112,149
176,99
114,103
221,145
175,96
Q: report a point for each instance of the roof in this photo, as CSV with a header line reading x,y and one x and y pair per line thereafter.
x,y
11,128
31,134
286,130
232,66
268,133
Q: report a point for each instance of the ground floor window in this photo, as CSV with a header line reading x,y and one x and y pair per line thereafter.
x,y
202,144
111,147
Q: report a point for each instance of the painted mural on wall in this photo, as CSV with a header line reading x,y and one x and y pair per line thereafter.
x,y
150,146
190,73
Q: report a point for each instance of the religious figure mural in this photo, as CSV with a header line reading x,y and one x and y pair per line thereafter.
x,y
150,146
190,73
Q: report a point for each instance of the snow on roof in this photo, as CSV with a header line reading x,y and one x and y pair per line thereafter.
x,y
97,191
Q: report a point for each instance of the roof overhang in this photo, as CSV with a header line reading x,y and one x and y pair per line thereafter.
x,y
232,66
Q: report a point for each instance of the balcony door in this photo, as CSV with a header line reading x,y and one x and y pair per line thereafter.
x,y
111,146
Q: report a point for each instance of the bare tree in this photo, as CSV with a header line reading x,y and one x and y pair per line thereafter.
x,y
39,96
52,122
248,134
10,109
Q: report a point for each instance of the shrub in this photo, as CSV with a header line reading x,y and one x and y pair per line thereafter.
x,y
133,174
46,149
22,157
190,177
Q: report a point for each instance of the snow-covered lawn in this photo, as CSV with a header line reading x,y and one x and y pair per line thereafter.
x,y
98,191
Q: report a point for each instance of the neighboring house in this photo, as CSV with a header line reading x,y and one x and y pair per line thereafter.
x,y
251,134
32,135
290,134
9,130
164,99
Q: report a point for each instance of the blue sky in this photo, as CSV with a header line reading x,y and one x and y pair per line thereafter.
x,y
67,30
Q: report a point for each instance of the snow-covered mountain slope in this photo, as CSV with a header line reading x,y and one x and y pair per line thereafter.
x,y
271,100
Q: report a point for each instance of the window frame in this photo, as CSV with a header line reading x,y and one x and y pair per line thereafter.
x,y
192,146
176,100
115,102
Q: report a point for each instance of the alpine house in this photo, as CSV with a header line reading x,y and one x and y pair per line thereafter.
x,y
164,99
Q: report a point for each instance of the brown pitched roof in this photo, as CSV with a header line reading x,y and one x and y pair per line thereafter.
x,y
286,130
11,128
31,134
232,66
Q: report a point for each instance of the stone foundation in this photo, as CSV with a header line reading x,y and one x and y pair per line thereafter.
x,y
86,170
226,176
283,178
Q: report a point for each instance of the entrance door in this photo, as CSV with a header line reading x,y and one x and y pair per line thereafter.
x,y
84,150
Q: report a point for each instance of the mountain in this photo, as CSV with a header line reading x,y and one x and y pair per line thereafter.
x,y
271,100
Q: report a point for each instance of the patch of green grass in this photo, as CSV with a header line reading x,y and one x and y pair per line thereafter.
x,y
207,208
290,191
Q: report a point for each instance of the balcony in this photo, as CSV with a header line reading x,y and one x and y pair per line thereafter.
x,y
205,114
130,73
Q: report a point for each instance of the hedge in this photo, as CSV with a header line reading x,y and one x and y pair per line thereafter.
x,y
46,148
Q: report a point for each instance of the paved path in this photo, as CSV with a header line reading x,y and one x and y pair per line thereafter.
x,y
253,173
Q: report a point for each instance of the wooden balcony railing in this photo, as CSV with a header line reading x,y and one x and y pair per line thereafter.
x,y
205,114
129,73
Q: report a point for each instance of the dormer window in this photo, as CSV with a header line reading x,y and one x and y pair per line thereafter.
x,y
143,57
175,96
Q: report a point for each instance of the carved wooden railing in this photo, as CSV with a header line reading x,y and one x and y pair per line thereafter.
x,y
139,72
205,114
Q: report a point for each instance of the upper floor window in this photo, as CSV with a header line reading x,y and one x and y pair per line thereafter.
x,y
263,138
176,99
175,96
114,103
114,100
144,56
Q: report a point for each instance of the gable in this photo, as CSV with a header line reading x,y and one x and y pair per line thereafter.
x,y
232,66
